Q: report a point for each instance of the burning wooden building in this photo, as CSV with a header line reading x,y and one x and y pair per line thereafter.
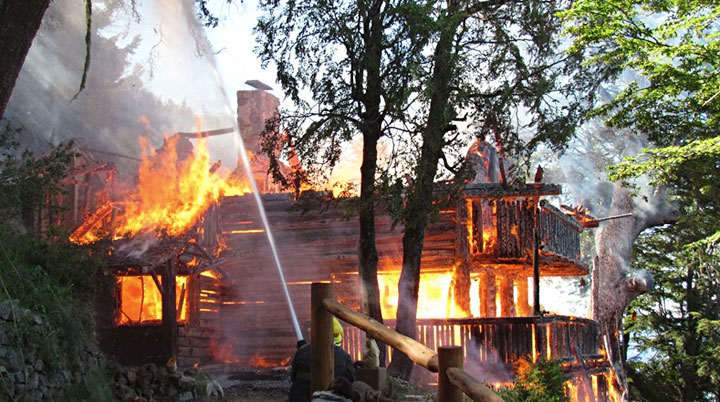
x,y
209,290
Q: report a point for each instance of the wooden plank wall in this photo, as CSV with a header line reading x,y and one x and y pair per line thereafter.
x,y
320,245
198,339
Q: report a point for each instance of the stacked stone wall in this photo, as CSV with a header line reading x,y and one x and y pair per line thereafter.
x,y
28,368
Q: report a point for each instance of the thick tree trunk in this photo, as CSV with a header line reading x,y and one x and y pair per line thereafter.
x,y
420,200
367,251
20,21
615,284
372,130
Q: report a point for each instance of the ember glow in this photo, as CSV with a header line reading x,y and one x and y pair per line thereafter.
x,y
141,301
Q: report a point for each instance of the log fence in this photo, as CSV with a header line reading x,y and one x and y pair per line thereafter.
x,y
448,362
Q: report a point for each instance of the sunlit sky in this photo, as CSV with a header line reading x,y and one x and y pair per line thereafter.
x,y
233,43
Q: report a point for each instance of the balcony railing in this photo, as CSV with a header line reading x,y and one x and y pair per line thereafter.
x,y
501,340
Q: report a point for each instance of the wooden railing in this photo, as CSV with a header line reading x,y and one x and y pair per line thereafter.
x,y
500,340
447,361
559,233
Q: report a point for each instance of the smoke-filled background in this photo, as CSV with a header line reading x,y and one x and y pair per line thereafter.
x,y
151,74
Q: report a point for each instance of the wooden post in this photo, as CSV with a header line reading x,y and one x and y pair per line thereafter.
x,y
491,295
523,305
461,275
322,368
169,311
536,271
449,356
507,297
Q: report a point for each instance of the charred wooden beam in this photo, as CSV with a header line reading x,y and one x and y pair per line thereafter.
x,y
497,190
208,133
88,169
507,303
568,220
523,306
169,312
90,222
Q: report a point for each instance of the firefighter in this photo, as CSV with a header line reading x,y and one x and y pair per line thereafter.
x,y
300,371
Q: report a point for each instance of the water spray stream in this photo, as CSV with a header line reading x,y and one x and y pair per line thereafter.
x,y
261,208
258,200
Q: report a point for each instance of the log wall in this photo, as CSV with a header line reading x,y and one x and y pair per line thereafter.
x,y
320,244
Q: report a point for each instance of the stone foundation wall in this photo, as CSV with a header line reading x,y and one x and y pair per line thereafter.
x,y
27,371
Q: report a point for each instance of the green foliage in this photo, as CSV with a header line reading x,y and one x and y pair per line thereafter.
x,y
56,280
674,45
542,381
676,328
27,181
50,277
367,67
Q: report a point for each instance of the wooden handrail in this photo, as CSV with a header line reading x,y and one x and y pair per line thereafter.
x,y
415,350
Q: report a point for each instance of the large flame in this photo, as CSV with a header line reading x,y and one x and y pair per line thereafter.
x,y
172,193
141,301
435,296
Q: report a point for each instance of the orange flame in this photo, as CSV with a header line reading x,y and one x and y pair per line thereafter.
x,y
172,194
435,297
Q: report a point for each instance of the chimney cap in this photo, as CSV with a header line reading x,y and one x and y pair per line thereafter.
x,y
259,85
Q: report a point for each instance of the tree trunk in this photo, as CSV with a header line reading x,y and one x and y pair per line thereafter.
x,y
367,251
615,285
371,128
420,200
20,21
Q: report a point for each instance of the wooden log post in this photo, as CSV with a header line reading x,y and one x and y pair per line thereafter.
x,y
169,311
322,367
491,295
523,305
461,274
449,356
473,388
536,272
507,297
416,351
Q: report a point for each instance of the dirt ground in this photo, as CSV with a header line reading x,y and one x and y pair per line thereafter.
x,y
248,385
271,385
250,393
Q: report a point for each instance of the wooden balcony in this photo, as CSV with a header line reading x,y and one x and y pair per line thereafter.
x,y
500,229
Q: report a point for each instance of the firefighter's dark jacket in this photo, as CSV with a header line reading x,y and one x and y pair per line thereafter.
x,y
300,372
